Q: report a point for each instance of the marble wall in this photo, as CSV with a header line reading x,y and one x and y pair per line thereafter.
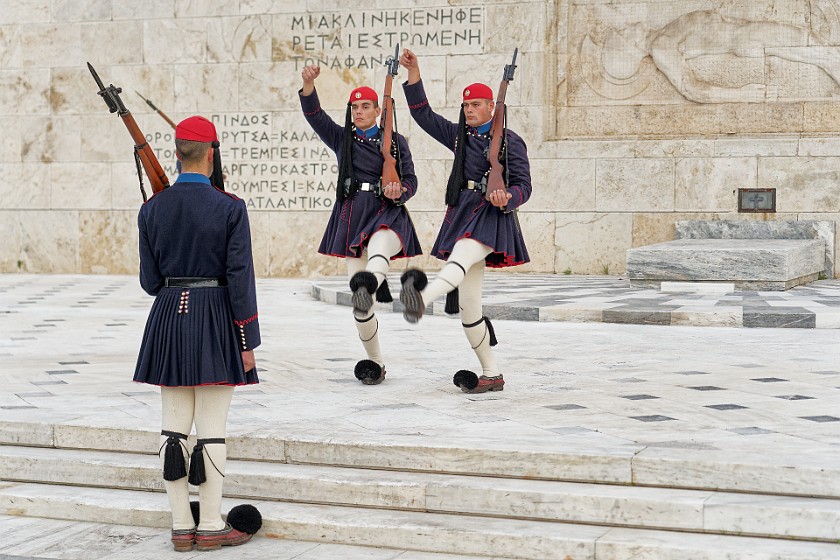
x,y
637,115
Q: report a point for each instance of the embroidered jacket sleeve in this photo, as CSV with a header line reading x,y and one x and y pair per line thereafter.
x,y
240,276
436,126
519,172
326,128
151,280
409,179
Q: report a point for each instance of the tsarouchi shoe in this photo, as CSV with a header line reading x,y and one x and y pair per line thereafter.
x,y
213,540
183,539
471,383
363,285
413,281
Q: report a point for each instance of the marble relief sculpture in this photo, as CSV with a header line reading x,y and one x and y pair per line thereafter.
x,y
622,66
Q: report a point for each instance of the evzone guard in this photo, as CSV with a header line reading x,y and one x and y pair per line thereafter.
x,y
369,224
489,180
195,258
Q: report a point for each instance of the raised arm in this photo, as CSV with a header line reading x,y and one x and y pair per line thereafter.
x,y
326,129
436,126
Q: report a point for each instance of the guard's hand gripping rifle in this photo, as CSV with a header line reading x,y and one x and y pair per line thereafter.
x,y
495,181
387,122
143,153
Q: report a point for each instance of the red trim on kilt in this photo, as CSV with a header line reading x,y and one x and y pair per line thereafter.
x,y
509,259
220,384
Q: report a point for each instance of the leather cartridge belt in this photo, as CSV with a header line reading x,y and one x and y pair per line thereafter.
x,y
372,187
195,282
480,186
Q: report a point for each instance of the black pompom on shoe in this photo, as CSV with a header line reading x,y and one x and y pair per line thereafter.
x,y
363,285
245,518
413,281
369,372
465,378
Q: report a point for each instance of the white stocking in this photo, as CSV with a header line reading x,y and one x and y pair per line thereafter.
x,y
177,407
211,409
478,335
466,253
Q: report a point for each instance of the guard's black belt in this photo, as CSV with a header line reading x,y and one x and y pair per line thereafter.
x,y
480,186
195,282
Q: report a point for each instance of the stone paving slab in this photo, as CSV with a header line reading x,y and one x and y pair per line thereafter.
x,y
687,404
37,539
611,299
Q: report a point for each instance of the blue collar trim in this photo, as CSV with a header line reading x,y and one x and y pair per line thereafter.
x,y
369,133
193,178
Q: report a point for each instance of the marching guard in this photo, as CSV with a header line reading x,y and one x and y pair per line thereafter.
x,y
369,225
478,231
195,258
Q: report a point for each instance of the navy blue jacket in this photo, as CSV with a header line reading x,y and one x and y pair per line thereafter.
x,y
192,229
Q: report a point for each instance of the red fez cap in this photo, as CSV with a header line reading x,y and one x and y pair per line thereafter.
x,y
477,91
197,129
363,93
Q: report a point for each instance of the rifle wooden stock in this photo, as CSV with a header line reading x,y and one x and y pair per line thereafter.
x,y
495,180
151,165
389,165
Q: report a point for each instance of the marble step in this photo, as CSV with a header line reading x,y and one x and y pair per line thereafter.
x,y
801,474
755,264
431,532
629,506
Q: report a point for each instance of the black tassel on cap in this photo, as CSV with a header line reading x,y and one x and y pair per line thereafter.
x,y
217,178
383,293
174,467
452,303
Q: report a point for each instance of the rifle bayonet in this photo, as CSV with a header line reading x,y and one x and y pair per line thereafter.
x,y
110,94
510,68
156,110
393,62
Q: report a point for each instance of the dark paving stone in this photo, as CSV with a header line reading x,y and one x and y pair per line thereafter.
x,y
726,406
692,372
339,359
629,380
780,320
652,418
821,419
45,325
39,394
769,380
707,388
115,324
80,362
794,397
344,380
62,371
53,382
565,406
639,397
512,313
637,317
751,431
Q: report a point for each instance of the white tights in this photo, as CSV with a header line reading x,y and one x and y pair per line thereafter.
x,y
207,407
376,259
464,269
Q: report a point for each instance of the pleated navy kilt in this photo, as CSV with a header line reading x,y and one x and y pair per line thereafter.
x,y
192,348
475,218
352,224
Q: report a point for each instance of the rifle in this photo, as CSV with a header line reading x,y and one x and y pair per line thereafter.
x,y
143,154
495,181
155,109
387,122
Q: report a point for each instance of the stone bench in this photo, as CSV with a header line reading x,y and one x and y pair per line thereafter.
x,y
751,264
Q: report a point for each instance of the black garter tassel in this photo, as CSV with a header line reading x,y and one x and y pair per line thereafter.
x,y
197,474
173,458
492,331
383,293
452,303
